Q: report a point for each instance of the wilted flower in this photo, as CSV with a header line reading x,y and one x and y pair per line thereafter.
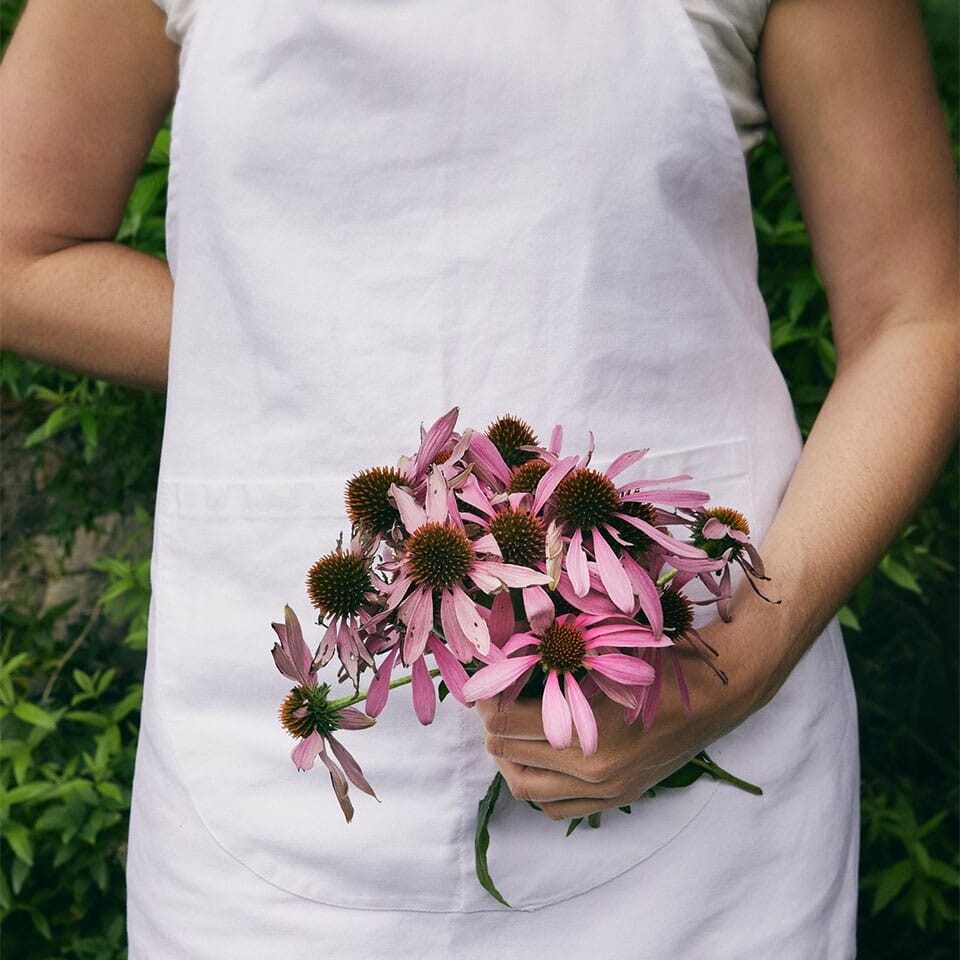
x,y
309,716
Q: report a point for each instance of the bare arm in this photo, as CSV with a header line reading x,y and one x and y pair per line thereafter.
x,y
850,92
84,88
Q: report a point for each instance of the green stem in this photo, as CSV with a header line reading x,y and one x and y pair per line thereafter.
x,y
715,770
360,697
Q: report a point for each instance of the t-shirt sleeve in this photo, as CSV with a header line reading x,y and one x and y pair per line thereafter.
x,y
179,14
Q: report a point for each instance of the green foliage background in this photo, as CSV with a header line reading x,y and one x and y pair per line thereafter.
x,y
79,472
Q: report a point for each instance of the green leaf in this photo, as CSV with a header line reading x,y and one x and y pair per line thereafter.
x,y
848,619
31,713
482,839
899,574
26,792
18,837
892,881
574,823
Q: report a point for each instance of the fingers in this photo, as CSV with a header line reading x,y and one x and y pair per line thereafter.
x,y
555,793
522,720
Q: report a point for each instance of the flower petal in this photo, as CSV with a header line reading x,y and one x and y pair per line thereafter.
x,y
577,568
488,681
623,668
550,480
350,766
539,608
583,718
647,593
451,669
612,575
424,693
305,752
379,687
489,461
556,714
472,624
625,460
340,786
434,441
412,515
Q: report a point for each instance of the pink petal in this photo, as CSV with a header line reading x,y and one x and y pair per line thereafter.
x,y
305,752
489,681
424,694
674,547
713,529
556,714
583,718
681,684
556,440
506,574
550,480
472,624
539,608
379,688
617,692
646,590
489,460
436,506
625,460
623,668
327,646
352,719
350,766
417,613
473,495
435,440
501,620
577,568
454,676
452,631
612,575
412,514
339,782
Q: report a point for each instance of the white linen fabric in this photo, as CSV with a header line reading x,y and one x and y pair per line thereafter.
x,y
728,29
379,210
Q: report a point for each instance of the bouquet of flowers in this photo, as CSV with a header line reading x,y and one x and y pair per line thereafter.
x,y
494,566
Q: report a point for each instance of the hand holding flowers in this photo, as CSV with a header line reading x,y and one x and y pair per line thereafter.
x,y
551,593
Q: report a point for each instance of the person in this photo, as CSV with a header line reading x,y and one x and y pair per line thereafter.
x,y
380,210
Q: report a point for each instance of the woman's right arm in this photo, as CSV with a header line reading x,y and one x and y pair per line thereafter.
x,y
84,86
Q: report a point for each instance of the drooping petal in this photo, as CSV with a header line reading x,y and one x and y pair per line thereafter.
x,y
623,668
675,547
424,693
339,781
451,669
583,719
592,602
577,568
556,714
554,551
473,495
305,752
352,719
539,608
472,624
294,658
328,646
412,515
379,688
436,505
501,620
646,592
458,641
617,692
488,681
350,766
417,613
612,574
674,497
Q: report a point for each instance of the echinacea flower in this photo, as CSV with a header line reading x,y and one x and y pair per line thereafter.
x,y
437,560
570,647
308,715
724,534
340,587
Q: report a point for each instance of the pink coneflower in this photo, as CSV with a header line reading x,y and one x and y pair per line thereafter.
x,y
340,587
308,715
724,535
571,647
436,561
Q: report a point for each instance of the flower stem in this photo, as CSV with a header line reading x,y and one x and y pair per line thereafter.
x,y
360,697
715,770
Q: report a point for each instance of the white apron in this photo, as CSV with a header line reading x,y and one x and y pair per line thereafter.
x,y
379,210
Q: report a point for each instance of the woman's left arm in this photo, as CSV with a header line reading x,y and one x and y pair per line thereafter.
x,y
851,95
